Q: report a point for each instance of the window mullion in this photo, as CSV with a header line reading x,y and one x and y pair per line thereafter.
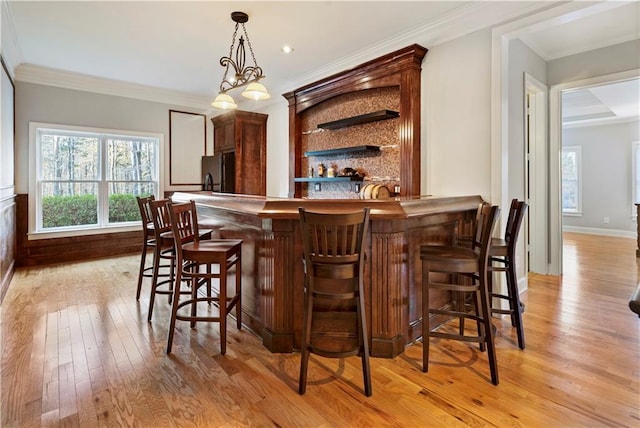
x,y
103,185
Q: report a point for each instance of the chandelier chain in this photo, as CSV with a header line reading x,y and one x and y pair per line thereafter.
x,y
253,57
233,42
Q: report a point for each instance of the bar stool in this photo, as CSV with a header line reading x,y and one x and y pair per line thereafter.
x,y
333,266
460,262
192,253
503,252
163,254
148,240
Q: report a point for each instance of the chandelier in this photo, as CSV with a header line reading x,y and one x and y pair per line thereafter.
x,y
237,73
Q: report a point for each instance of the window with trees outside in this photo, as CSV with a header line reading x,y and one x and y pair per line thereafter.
x,y
89,178
572,180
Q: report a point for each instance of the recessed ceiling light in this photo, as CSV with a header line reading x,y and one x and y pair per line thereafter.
x,y
286,49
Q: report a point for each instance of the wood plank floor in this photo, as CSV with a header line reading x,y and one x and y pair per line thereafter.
x,y
77,351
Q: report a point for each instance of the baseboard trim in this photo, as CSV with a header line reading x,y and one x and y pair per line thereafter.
x,y
598,231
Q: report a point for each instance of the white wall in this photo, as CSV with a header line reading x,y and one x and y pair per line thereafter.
x,y
456,127
49,104
278,148
606,175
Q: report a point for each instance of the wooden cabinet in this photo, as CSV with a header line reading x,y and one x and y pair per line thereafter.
x,y
245,134
384,88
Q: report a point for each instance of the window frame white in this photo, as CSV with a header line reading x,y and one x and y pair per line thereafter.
x,y
578,151
34,186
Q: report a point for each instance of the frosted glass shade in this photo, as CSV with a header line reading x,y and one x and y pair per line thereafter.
x,y
224,102
256,91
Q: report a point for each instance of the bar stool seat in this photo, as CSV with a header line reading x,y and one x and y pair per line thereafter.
x,y
468,270
193,254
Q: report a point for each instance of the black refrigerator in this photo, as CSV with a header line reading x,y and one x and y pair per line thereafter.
x,y
219,172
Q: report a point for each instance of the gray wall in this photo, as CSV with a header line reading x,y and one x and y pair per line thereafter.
x,y
49,104
606,174
597,62
521,60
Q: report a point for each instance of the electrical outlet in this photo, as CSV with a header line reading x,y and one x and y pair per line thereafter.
x,y
605,220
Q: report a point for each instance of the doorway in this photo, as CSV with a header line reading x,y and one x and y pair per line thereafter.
x,y
555,152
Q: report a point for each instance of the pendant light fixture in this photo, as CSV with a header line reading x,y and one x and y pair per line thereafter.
x,y
241,74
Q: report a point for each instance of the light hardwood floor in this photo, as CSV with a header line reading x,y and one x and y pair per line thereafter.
x,y
77,351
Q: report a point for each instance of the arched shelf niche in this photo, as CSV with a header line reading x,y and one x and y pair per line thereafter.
x,y
398,71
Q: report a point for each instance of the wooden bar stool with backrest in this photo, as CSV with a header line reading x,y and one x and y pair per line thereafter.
x,y
192,254
503,252
163,252
148,240
460,263
334,322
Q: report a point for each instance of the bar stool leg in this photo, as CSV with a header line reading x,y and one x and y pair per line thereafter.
x,y
306,335
488,328
174,309
143,262
364,346
239,291
223,308
154,281
514,302
425,317
194,295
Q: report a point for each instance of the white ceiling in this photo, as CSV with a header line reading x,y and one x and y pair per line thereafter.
x,y
177,45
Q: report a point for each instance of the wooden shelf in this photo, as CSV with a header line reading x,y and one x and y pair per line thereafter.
x,y
342,150
359,120
327,179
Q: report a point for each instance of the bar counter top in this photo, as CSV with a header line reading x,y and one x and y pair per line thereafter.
x,y
272,274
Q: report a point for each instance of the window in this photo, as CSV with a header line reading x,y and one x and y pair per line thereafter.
x,y
84,179
572,180
635,176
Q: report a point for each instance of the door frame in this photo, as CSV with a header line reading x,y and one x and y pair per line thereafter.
x,y
555,151
536,176
500,38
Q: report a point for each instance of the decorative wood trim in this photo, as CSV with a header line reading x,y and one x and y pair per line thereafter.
x,y
386,317
397,69
277,314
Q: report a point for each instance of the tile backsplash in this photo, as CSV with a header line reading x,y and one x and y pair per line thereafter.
x,y
382,167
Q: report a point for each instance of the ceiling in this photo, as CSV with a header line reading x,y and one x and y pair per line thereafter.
x,y
176,45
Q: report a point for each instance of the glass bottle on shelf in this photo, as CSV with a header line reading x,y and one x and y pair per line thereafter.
x,y
321,169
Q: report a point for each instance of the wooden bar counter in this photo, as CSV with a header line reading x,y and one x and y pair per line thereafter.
x,y
272,259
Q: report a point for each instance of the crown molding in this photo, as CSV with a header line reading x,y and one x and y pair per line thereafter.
x,y
459,22
31,73
599,122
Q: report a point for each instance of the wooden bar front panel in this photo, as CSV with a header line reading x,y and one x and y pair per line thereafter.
x,y
273,277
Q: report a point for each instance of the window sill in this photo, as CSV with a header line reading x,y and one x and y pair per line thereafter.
x,y
33,236
572,213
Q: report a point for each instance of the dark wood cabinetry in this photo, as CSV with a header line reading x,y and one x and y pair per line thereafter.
x,y
245,134
384,88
